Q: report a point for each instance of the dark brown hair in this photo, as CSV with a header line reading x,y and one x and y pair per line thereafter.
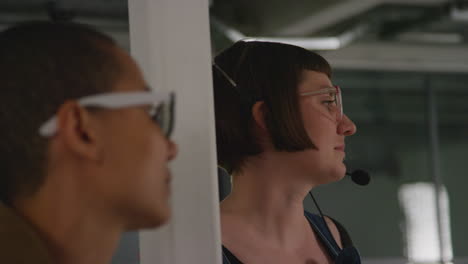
x,y
262,71
43,64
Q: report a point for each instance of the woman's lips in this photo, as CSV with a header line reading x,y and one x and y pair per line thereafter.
x,y
340,148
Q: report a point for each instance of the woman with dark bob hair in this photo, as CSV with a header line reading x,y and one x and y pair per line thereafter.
x,y
280,132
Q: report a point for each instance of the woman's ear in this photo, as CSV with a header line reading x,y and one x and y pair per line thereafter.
x,y
258,114
76,130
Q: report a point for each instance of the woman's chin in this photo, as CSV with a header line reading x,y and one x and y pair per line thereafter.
x,y
337,174
341,172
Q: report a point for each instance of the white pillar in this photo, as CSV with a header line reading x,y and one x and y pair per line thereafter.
x,y
170,39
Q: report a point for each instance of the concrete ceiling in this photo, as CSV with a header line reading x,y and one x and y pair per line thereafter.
x,y
416,35
427,35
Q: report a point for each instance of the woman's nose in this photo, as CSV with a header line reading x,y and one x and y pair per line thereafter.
x,y
346,127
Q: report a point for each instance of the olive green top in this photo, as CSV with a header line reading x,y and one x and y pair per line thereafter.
x,y
19,242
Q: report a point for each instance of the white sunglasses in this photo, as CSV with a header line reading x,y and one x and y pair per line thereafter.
x,y
161,111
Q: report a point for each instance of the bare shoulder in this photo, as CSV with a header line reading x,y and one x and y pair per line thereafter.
x,y
334,230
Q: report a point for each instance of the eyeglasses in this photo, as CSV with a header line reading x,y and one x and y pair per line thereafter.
x,y
161,108
335,106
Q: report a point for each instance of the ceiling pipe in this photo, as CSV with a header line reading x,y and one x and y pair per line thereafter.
x,y
312,43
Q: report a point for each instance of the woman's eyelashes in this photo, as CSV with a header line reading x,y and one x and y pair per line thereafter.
x,y
329,101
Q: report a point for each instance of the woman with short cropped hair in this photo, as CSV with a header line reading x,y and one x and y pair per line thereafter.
x,y
280,131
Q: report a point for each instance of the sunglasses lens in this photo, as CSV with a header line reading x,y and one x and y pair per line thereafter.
x,y
169,115
157,115
163,115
